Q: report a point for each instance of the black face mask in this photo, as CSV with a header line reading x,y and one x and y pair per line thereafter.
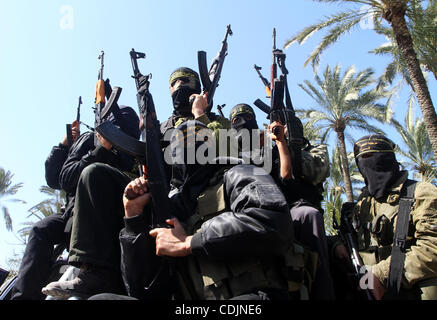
x,y
240,122
181,104
380,171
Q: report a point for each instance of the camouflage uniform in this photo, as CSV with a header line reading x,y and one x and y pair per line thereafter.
x,y
315,164
375,223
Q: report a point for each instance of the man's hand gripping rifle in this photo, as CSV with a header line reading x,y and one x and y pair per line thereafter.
x,y
347,234
68,126
148,151
284,113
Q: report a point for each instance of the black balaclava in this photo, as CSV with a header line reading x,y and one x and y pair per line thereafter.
x,y
188,179
377,163
244,117
190,85
127,120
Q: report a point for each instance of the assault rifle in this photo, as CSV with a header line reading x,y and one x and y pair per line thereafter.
x,y
265,82
211,78
99,96
69,133
347,235
285,113
103,109
149,154
148,151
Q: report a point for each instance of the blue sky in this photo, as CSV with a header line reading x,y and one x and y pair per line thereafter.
x,y
48,58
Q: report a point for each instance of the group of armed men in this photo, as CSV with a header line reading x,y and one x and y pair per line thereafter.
x,y
239,232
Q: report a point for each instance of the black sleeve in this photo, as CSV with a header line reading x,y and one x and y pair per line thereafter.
x,y
53,165
259,224
139,263
82,154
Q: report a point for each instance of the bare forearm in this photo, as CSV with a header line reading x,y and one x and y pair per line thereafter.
x,y
285,160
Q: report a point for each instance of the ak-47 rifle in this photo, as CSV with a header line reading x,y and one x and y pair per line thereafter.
x,y
99,96
285,113
149,154
103,109
69,133
348,237
148,151
152,155
210,79
265,82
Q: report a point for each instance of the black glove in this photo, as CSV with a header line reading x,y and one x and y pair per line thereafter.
x,y
143,83
347,208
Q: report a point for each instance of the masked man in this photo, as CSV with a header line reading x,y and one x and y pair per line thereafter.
x,y
395,220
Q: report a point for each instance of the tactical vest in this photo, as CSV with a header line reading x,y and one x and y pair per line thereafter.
x,y
201,278
378,247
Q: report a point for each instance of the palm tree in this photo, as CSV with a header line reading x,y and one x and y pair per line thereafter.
x,y
416,139
335,189
422,25
396,13
344,102
45,208
49,206
7,189
311,131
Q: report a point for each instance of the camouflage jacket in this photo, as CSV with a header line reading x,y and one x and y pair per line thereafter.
x,y
210,119
375,224
315,164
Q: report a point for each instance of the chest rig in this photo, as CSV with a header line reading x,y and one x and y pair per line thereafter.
x,y
202,278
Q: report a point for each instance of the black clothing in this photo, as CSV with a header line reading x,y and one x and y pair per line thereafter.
x,y
255,225
189,84
379,171
98,210
83,153
258,215
306,212
62,170
309,229
53,165
98,217
37,261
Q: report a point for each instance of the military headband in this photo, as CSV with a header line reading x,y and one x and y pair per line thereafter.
x,y
181,74
375,144
241,109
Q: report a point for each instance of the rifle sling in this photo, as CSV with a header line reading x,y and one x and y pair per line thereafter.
x,y
399,241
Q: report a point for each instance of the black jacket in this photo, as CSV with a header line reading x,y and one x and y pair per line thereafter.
x,y
257,224
53,165
82,154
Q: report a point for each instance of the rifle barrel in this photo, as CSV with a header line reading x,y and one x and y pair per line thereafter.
x,y
101,58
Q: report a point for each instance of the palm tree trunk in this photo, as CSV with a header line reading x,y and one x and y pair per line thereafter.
x,y
345,167
405,44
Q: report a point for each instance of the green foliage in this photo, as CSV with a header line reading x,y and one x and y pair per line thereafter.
x,y
337,24
8,189
422,24
45,208
345,101
419,150
335,189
